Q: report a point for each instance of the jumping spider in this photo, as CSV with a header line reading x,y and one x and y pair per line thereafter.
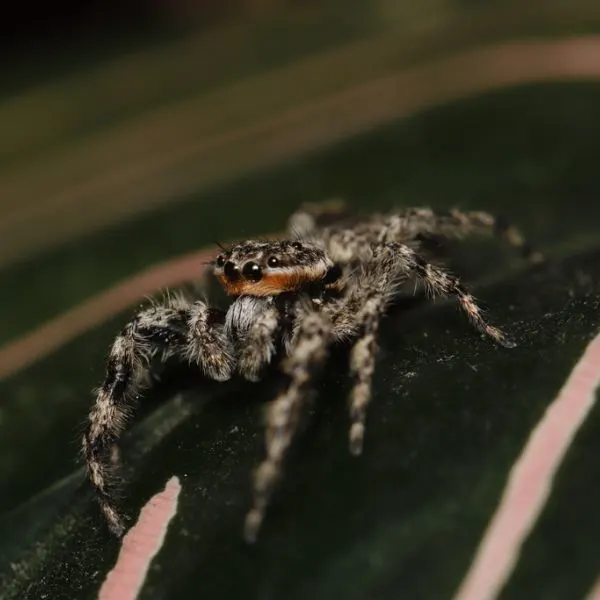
x,y
331,282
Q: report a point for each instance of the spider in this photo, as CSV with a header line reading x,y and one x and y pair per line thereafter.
x,y
330,282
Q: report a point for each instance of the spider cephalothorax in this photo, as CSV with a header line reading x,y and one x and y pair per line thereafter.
x,y
271,268
295,297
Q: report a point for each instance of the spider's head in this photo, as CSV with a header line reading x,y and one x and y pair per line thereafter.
x,y
271,268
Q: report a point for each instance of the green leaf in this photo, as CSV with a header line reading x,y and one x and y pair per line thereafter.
x,y
450,413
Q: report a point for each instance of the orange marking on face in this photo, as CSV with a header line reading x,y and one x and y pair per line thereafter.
x,y
272,284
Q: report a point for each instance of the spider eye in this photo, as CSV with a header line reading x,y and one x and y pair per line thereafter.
x,y
297,245
220,260
273,261
252,271
231,271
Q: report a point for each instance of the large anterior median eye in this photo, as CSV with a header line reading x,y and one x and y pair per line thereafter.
x,y
252,271
231,271
273,261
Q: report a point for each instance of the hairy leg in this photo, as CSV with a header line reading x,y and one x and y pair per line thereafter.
x,y
308,354
362,366
178,328
357,316
456,224
403,259
421,224
384,269
254,324
310,218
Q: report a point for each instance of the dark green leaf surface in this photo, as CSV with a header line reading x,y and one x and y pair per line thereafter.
x,y
450,413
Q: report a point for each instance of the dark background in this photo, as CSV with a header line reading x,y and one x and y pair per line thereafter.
x,y
42,37
451,413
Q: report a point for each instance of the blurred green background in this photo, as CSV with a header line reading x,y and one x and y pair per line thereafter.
x,y
111,112
135,132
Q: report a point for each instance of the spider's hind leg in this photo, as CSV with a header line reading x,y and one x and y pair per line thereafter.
x,y
440,282
457,224
311,217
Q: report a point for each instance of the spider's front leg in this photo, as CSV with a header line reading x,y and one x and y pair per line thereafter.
x,y
307,355
191,331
